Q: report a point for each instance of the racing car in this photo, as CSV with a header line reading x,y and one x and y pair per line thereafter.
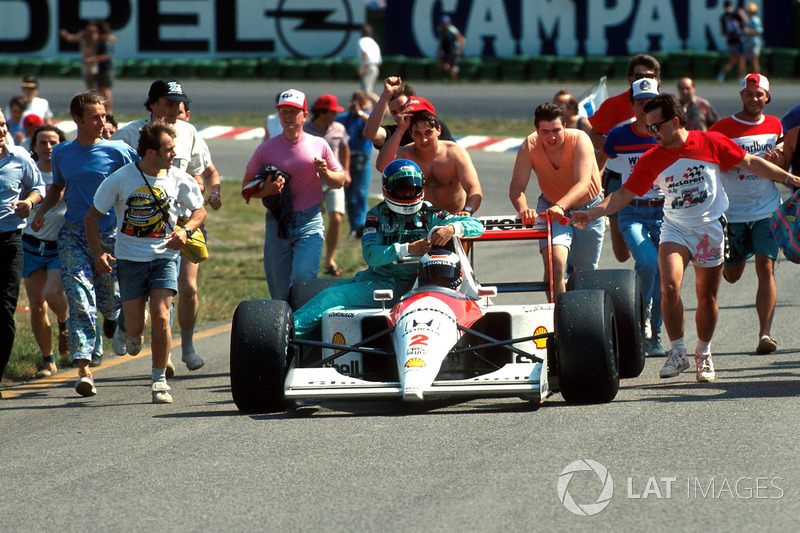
x,y
437,342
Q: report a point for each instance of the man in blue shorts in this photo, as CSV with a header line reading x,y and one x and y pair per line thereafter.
x,y
79,167
147,197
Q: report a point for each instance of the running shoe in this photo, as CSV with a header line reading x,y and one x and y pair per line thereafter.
x,y
120,346
652,347
676,363
63,342
85,385
134,345
46,370
705,368
161,393
766,345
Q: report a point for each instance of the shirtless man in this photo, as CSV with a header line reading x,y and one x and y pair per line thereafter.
x,y
451,181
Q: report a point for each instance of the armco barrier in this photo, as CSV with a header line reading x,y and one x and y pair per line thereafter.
x,y
775,62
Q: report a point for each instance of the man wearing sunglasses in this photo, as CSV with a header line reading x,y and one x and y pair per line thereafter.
x,y
686,165
613,112
752,199
640,221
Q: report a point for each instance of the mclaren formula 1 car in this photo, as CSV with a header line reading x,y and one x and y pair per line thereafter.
x,y
440,343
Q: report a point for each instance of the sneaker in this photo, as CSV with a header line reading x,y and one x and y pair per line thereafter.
x,y
720,77
161,392
120,346
652,347
648,318
46,370
192,360
97,360
134,346
170,368
85,385
705,368
676,363
63,342
109,327
766,344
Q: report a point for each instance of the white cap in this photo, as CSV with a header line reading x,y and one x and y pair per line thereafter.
x,y
644,88
756,80
293,98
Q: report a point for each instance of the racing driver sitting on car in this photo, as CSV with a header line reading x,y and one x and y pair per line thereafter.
x,y
402,226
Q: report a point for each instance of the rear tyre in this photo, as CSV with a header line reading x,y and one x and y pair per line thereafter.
x,y
587,346
259,353
624,286
303,290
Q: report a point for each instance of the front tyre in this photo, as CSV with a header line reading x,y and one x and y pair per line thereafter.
x,y
260,335
586,340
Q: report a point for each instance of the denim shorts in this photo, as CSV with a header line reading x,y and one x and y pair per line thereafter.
x,y
34,259
748,238
584,244
137,279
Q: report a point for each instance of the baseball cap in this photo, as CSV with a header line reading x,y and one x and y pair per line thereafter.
x,y
644,88
30,82
32,121
292,98
328,102
169,89
417,103
756,80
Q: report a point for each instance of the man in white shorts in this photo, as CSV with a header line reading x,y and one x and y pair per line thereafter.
x,y
686,165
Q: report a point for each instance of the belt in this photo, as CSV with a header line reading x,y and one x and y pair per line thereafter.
x,y
647,203
38,243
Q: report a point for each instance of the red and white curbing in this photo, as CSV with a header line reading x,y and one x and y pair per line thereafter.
x,y
470,142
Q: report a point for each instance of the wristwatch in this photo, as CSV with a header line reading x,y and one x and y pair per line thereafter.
x,y
468,209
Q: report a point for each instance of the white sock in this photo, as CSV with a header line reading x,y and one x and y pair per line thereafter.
x,y
677,344
703,348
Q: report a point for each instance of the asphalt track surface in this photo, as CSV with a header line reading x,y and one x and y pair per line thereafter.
x,y
726,451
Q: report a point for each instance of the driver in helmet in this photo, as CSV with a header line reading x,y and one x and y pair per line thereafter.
x,y
397,228
440,267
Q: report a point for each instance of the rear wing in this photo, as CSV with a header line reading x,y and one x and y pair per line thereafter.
x,y
510,228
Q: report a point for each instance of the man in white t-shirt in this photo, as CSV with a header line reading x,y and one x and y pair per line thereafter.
x,y
369,54
147,197
192,156
752,199
686,165
36,105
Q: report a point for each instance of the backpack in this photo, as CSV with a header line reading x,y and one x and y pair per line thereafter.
x,y
784,227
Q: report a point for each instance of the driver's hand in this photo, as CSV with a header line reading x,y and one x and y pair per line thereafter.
x,y
419,247
442,235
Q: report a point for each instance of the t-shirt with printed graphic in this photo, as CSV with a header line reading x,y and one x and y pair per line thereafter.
x,y
624,146
751,197
141,228
613,112
689,176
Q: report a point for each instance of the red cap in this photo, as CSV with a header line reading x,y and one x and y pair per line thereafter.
x,y
417,103
32,121
328,102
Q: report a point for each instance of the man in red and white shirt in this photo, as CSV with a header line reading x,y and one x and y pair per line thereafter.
x,y
752,199
687,166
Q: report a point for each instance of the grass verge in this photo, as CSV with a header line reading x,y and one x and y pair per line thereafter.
x,y
234,272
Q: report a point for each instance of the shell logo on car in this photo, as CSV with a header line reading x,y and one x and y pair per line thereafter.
x,y
415,362
540,343
338,338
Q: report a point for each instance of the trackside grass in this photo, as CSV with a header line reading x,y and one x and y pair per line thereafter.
x,y
234,272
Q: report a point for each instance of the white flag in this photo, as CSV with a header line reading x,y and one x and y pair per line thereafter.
x,y
591,100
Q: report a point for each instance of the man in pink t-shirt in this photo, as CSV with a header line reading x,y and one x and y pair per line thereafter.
x,y
687,166
293,242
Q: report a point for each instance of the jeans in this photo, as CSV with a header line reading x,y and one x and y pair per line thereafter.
x,y
10,276
295,258
357,194
641,228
